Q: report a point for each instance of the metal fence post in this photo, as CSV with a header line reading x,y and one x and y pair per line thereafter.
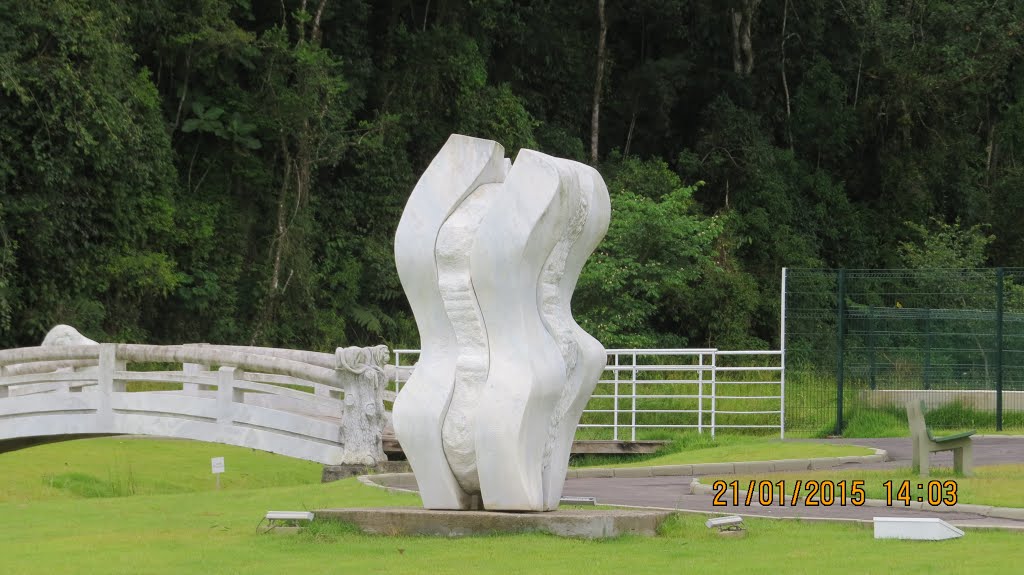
x,y
926,371
714,390
1000,276
398,362
632,408
615,406
782,362
840,347
700,394
872,365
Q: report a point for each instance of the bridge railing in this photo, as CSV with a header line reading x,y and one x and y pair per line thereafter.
x,y
642,391
282,368
647,390
40,365
286,401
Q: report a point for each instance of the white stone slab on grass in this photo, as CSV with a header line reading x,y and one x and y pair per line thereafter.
x,y
916,528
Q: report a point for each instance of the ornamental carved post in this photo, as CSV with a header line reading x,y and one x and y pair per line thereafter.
x,y
362,376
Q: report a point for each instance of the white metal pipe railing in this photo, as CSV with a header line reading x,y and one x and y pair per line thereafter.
x,y
696,379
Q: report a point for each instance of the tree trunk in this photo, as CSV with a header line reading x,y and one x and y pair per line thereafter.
x,y
596,112
281,227
742,45
298,155
737,55
990,149
856,90
785,82
629,134
316,21
636,98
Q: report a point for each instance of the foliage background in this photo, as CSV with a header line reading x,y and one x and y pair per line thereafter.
x,y
233,170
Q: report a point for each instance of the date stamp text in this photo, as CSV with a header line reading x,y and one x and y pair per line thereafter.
x,y
826,493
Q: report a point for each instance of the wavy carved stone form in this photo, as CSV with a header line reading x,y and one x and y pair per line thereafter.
x,y
489,254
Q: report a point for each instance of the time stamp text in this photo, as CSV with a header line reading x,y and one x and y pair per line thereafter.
x,y
826,493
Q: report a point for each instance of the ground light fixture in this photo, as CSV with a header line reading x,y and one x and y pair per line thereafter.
x,y
286,520
574,500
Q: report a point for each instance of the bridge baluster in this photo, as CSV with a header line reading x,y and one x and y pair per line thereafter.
x,y
194,369
227,393
108,364
77,387
321,390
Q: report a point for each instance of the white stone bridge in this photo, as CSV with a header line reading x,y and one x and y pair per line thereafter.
x,y
320,407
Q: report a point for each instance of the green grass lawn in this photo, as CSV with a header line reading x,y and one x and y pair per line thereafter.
x,y
998,485
160,529
116,466
697,448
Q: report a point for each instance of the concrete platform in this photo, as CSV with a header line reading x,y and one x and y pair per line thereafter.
x,y
336,472
609,447
585,524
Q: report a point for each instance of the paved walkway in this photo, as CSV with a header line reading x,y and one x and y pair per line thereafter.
x,y
988,450
674,492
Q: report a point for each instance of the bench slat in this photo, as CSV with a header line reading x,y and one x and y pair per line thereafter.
x,y
290,515
954,437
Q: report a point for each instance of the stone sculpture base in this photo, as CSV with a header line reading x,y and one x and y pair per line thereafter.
x,y
336,472
586,524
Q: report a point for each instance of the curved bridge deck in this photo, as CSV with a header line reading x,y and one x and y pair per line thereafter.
x,y
253,399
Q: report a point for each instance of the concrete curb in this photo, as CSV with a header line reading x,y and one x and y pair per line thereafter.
x,y
959,524
383,478
1016,513
769,466
698,488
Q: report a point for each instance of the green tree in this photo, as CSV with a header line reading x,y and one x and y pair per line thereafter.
x,y
632,291
86,178
946,246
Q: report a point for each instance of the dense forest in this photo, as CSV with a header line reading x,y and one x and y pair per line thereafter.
x,y
233,171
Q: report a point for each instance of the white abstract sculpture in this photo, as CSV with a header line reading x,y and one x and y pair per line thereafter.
x,y
488,253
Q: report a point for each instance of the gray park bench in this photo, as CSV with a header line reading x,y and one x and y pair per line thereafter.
x,y
925,443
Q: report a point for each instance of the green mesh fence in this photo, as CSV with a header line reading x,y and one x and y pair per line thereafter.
x,y
864,342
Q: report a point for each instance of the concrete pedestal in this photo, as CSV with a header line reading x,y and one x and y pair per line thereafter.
x,y
586,524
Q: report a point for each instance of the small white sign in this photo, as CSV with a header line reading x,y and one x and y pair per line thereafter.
x,y
217,463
